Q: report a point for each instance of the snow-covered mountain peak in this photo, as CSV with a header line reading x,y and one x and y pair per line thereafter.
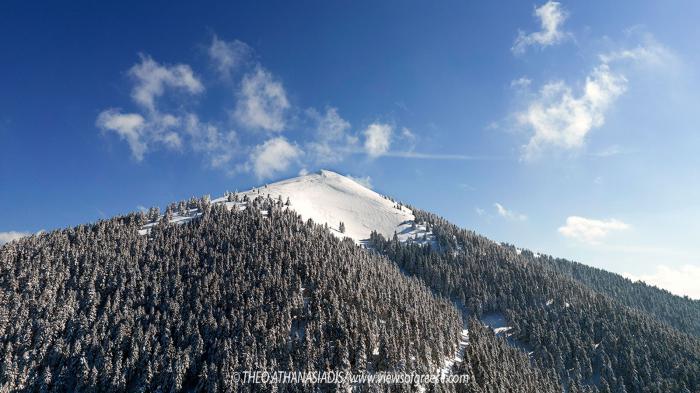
x,y
329,198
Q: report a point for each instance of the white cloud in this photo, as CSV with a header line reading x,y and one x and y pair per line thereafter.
x,y
589,230
558,118
140,132
520,83
219,147
128,126
151,79
262,104
262,101
650,53
377,139
331,127
332,140
479,211
551,16
227,57
682,281
275,155
173,131
509,214
6,237
151,126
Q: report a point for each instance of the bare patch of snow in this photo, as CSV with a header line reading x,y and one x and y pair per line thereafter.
x,y
501,330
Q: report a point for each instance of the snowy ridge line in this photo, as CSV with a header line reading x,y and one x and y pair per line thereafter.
x,y
346,207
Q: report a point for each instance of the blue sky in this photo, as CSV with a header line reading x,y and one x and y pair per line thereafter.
x,y
568,128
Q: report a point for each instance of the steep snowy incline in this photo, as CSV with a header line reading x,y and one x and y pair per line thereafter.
x,y
329,198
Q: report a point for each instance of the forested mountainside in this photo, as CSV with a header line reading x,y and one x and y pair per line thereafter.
x,y
102,308
495,366
590,340
182,301
680,312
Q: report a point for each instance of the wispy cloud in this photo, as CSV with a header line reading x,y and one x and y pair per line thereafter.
x,y
509,214
681,281
218,146
129,127
154,127
591,231
551,16
414,155
151,80
651,53
165,118
151,127
560,118
437,156
520,83
262,101
227,57
609,151
377,139
273,156
612,151
332,136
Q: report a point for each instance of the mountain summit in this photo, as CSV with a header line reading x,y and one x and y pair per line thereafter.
x,y
329,198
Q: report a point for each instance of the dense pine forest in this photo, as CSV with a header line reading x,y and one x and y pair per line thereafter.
x,y
183,307
590,338
680,312
102,308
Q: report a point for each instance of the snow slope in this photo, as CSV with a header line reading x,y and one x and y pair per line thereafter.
x,y
329,198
